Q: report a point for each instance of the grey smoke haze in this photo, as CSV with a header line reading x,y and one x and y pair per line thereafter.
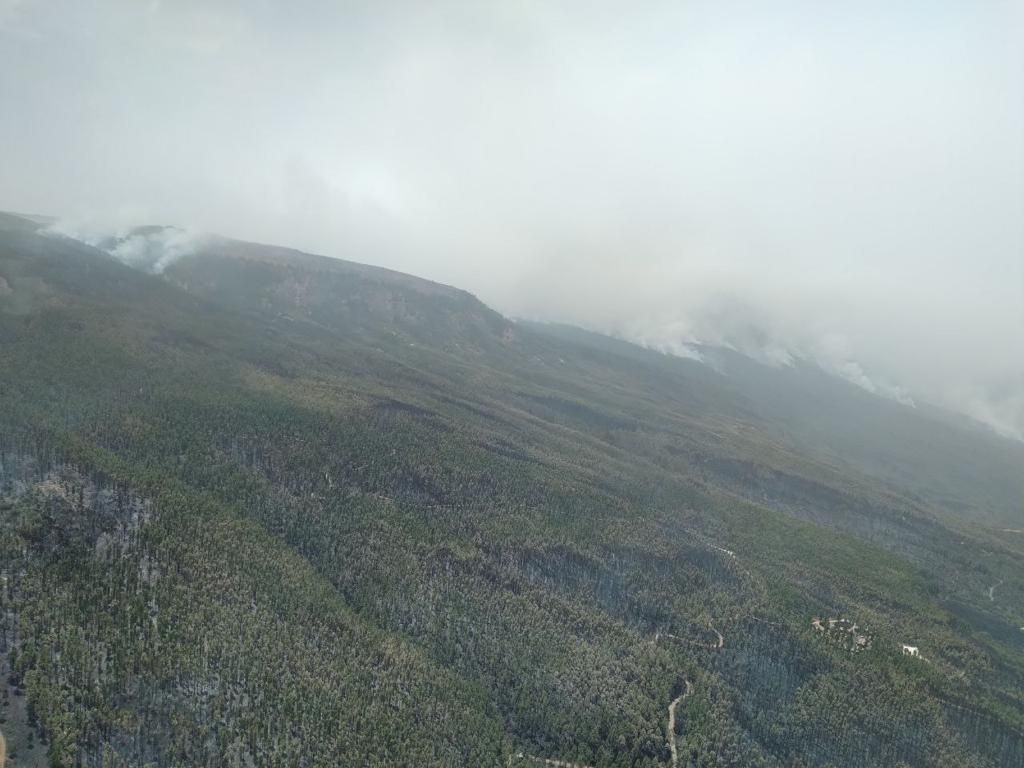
x,y
150,249
837,180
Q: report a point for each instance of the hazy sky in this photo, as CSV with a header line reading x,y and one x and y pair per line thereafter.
x,y
848,178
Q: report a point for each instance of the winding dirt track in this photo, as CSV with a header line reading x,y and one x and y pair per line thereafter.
x,y
672,723
544,761
719,642
992,590
670,737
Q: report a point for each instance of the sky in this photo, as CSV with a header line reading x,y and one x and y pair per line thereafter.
x,y
837,181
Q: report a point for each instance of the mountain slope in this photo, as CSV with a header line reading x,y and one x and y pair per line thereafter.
x,y
954,468
339,295
265,509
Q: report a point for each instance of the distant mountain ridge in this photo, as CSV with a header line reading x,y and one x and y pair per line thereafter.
x,y
348,297
154,247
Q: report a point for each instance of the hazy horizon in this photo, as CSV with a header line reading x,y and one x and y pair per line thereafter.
x,y
845,184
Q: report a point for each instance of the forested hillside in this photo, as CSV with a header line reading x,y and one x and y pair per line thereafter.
x,y
272,509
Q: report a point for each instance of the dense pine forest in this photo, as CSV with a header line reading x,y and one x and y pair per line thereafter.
x,y
273,509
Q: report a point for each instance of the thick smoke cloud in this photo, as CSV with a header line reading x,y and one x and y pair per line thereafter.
x,y
843,182
148,248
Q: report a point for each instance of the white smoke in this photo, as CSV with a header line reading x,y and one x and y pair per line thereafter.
x,y
1003,412
153,252
766,338
147,248
778,340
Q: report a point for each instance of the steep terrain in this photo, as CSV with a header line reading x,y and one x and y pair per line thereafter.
x,y
267,508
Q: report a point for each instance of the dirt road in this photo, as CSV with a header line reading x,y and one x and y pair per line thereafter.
x,y
992,590
544,761
719,641
672,723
